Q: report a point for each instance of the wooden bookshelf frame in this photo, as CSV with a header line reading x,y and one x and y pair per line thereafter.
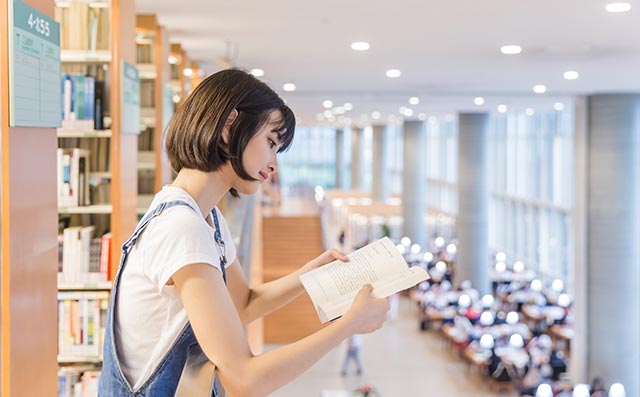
x,y
29,243
148,23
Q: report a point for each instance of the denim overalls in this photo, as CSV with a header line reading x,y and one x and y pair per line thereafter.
x,y
164,380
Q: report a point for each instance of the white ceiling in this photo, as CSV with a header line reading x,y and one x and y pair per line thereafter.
x,y
448,51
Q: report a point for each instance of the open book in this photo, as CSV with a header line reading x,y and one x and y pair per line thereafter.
x,y
333,287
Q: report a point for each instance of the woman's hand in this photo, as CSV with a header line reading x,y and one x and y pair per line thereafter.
x,y
367,314
324,258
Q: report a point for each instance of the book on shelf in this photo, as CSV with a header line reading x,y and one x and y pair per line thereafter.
x,y
83,259
73,177
82,102
144,52
83,26
333,287
81,324
78,381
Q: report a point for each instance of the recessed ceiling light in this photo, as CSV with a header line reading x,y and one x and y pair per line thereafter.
x,y
502,108
328,113
422,117
257,72
479,101
408,112
539,89
289,87
188,72
433,120
511,49
393,73
347,106
530,111
375,115
327,104
360,46
414,100
618,7
175,98
559,106
571,75
172,59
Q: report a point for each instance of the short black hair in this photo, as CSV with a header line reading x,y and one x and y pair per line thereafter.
x,y
193,137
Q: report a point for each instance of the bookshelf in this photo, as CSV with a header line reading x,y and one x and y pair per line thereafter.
x,y
152,53
96,161
180,85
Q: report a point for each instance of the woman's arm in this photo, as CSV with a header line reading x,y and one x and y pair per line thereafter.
x,y
220,333
258,301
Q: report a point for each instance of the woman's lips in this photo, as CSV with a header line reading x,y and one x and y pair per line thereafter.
x,y
263,175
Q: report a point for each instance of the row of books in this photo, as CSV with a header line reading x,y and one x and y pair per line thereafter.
x,y
83,26
82,319
76,185
78,382
147,93
144,53
82,102
83,258
145,139
73,177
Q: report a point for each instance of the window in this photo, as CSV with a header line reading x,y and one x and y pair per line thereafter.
x,y
531,182
311,159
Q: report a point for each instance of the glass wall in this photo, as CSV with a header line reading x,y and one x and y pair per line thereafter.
x,y
310,161
442,164
395,159
531,182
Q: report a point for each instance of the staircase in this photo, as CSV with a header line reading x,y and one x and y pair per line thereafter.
x,y
289,241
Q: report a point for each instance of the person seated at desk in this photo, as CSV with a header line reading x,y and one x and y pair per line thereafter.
x,y
532,377
597,388
558,364
497,370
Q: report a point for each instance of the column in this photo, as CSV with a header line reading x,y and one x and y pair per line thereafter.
x,y
473,201
578,360
613,252
28,243
356,158
414,181
380,182
340,159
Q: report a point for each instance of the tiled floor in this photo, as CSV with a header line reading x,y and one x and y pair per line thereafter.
x,y
399,361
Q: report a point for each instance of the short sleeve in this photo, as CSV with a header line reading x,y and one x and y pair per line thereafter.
x,y
177,238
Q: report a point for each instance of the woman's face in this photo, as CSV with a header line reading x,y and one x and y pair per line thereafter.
x,y
259,157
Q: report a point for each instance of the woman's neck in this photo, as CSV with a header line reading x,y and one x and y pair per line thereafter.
x,y
206,188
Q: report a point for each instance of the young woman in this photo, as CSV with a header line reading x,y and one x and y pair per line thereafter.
x,y
180,294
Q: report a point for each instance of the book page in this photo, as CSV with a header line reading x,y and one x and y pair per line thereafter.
x,y
332,287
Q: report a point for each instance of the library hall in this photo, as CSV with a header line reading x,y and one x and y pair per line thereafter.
x,y
320,199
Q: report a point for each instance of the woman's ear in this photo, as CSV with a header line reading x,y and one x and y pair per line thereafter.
x,y
232,117
225,131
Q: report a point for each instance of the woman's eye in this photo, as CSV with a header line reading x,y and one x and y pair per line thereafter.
x,y
272,144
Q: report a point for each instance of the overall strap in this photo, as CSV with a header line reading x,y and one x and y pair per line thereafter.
x,y
220,242
126,247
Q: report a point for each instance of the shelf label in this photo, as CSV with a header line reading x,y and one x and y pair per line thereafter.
x,y
34,68
130,99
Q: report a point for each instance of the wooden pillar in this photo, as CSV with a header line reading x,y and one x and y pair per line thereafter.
x,y
28,214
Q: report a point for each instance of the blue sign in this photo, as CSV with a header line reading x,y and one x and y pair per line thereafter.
x,y
34,68
130,99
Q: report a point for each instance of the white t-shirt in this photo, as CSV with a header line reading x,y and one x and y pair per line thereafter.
x,y
150,315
